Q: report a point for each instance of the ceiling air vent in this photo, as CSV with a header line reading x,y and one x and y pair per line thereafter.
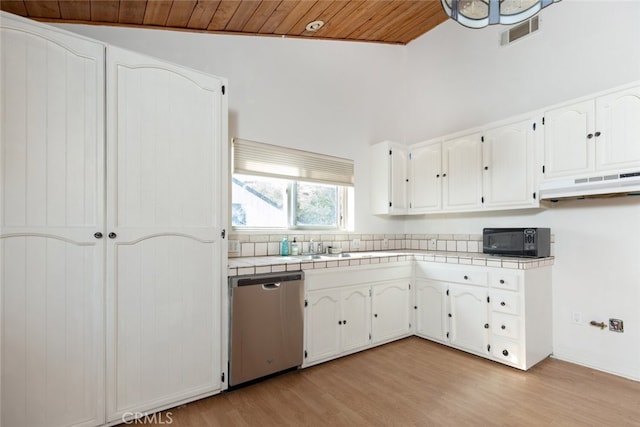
x,y
519,31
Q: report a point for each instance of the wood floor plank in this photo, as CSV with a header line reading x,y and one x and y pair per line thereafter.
x,y
415,382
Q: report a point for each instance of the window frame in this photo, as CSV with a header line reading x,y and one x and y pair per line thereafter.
x,y
342,206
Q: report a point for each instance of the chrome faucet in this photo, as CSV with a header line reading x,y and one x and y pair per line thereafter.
x,y
315,248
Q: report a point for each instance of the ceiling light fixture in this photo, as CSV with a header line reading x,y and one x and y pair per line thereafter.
x,y
314,26
480,13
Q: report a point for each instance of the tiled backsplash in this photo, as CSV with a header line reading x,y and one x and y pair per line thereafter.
x,y
269,244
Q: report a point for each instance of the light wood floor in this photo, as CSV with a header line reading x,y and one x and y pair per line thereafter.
x,y
414,382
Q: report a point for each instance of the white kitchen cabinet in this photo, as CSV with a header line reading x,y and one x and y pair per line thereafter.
x,y
322,332
446,175
501,314
520,316
618,129
432,310
510,165
340,304
51,265
462,173
164,212
425,182
146,257
391,305
389,178
338,321
469,321
593,135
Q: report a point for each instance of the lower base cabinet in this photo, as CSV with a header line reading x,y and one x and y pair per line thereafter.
x,y
468,318
337,321
391,310
354,308
501,314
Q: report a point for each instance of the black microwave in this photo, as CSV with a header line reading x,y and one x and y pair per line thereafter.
x,y
518,242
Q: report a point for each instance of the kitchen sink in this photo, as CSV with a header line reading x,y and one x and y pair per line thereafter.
x,y
308,257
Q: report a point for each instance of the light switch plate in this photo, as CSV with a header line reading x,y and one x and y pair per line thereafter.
x,y
432,245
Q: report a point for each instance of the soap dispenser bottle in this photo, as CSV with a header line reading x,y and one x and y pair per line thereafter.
x,y
295,249
284,247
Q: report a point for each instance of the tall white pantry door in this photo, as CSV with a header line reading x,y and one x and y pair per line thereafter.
x,y
164,219
51,205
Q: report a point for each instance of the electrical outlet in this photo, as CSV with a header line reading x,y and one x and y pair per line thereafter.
x,y
576,317
385,243
432,245
234,246
616,325
355,244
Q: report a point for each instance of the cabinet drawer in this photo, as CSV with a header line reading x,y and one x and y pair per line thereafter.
x,y
505,302
504,280
505,325
456,275
506,350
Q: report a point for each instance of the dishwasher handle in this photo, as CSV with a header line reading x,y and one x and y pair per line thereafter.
x,y
269,286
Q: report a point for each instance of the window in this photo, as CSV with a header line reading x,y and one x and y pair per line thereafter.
x,y
276,187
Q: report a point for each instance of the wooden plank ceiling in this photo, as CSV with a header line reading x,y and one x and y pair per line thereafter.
x,y
381,21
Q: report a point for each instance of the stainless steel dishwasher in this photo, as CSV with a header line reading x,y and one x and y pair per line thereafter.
x,y
266,324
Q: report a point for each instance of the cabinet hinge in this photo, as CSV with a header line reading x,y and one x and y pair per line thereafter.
x,y
223,233
306,303
224,89
305,354
534,195
542,168
534,126
222,377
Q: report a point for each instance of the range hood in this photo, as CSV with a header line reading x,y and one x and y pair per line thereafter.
x,y
616,184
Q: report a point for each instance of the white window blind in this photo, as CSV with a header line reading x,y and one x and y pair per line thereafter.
x,y
257,158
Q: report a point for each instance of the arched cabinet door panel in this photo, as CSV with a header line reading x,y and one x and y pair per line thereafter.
x,y
51,205
165,213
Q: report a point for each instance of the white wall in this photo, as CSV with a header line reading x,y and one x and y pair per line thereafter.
x,y
461,78
330,97
464,78
338,98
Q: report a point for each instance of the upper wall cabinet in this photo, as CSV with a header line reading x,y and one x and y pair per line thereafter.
x,y
389,178
425,170
461,173
510,166
597,134
497,168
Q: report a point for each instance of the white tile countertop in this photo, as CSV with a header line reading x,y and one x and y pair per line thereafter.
x,y
272,264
